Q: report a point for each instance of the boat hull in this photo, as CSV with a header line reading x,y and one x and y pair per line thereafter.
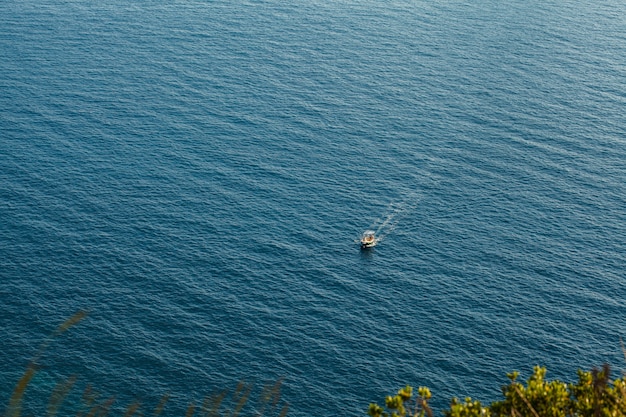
x,y
367,245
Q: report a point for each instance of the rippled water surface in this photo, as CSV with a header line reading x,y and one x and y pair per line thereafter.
x,y
195,174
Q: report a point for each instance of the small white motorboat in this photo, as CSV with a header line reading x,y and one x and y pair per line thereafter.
x,y
368,240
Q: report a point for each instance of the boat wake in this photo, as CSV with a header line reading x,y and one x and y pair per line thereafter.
x,y
386,224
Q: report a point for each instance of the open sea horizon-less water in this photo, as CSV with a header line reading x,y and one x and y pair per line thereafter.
x,y
195,174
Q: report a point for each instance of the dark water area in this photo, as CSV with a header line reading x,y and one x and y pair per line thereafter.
x,y
195,174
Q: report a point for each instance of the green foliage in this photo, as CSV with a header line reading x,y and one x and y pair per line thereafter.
x,y
538,398
401,404
468,408
594,395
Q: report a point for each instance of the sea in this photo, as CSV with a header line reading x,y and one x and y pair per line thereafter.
x,y
195,175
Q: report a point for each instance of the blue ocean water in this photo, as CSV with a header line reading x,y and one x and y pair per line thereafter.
x,y
195,173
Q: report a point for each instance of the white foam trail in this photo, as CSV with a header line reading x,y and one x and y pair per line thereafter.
x,y
383,226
